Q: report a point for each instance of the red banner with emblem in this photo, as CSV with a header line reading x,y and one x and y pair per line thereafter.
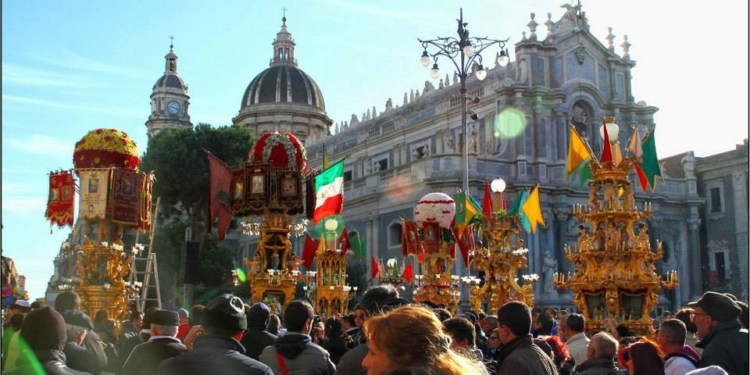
x,y
126,197
147,186
60,204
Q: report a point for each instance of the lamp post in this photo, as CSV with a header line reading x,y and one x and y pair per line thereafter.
x,y
462,51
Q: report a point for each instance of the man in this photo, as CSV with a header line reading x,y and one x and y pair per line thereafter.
x,y
577,341
130,328
19,307
543,325
555,323
489,324
182,330
295,353
724,341
143,334
518,354
43,331
218,350
162,344
371,305
69,301
77,326
680,358
256,337
601,354
351,330
490,358
462,334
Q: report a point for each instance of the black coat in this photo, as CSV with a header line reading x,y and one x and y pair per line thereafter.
x,y
53,362
726,345
216,355
255,341
79,358
146,357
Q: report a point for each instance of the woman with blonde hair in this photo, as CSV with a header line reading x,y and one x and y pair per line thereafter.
x,y
410,340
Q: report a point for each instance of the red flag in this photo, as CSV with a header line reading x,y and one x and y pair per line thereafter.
x,y
375,268
465,244
344,242
125,197
219,198
410,239
607,151
408,272
308,253
487,201
502,201
642,179
61,205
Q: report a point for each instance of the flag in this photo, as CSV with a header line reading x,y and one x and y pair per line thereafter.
x,y
326,163
358,245
650,163
375,268
308,252
635,146
465,243
467,210
578,152
532,209
395,272
584,173
617,154
487,201
125,198
642,179
520,199
329,192
61,205
146,197
502,202
345,243
606,150
219,198
408,272
93,199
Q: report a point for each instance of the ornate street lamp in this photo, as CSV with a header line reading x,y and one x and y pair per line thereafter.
x,y
462,51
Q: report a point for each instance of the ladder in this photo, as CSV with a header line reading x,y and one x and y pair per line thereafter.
x,y
150,280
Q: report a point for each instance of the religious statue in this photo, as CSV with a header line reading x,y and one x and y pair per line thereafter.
x,y
293,262
275,260
610,195
593,197
549,268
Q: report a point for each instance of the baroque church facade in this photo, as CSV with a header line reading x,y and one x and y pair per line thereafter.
x,y
561,77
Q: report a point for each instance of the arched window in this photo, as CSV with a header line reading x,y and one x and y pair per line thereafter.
x,y
394,234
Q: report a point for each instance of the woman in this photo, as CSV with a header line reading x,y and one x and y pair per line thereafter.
x,y
564,363
410,340
335,342
644,358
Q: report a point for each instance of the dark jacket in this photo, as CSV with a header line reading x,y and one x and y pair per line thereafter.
x,y
130,344
521,356
146,357
727,346
79,358
52,361
598,366
354,333
216,355
93,343
255,341
336,347
301,356
351,362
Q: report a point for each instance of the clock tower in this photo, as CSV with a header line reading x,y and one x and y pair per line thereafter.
x,y
169,99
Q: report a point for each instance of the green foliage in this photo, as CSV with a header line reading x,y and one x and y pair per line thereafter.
x,y
357,272
216,264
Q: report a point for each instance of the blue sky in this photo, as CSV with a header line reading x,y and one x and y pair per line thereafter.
x,y
69,67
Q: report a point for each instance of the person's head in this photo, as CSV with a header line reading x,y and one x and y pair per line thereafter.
x,y
671,335
224,315
38,304
44,329
602,345
666,314
461,332
298,317
333,327
359,316
684,315
165,323
645,358
559,350
563,314
488,323
184,316
375,298
543,324
411,337
442,313
711,309
552,312
67,300
514,319
18,307
274,324
622,331
148,316
745,314
258,316
574,323
493,339
347,321
196,312
136,319
16,321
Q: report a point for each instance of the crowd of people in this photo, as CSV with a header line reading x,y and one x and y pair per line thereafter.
x,y
384,335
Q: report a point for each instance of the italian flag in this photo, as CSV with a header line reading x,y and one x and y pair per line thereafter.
x,y
329,192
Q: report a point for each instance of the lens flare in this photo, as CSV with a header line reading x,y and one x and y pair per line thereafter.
x,y
241,275
510,123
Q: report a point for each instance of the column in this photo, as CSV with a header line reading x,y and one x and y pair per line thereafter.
x,y
696,271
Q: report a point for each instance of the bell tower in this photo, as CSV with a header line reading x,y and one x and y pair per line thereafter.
x,y
169,99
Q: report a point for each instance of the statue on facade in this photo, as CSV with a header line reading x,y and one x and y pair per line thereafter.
x,y
549,268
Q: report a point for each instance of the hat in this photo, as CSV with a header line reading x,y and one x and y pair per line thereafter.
x,y
21,303
718,306
166,318
225,311
77,318
258,316
44,329
184,315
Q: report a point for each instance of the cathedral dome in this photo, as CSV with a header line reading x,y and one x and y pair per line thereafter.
x,y
283,84
171,81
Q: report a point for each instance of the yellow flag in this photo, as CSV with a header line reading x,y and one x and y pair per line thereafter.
x,y
325,159
577,152
532,209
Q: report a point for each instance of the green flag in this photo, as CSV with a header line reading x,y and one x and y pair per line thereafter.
x,y
650,163
520,200
358,245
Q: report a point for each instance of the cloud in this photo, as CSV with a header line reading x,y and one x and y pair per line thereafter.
x,y
42,144
26,76
70,60
74,107
24,206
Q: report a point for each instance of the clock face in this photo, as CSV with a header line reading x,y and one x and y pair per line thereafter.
x,y
173,107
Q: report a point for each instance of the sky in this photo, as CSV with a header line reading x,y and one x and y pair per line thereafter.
x,y
69,67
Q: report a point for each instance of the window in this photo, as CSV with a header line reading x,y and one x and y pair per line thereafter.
x,y
347,176
421,152
718,259
394,234
381,165
716,204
